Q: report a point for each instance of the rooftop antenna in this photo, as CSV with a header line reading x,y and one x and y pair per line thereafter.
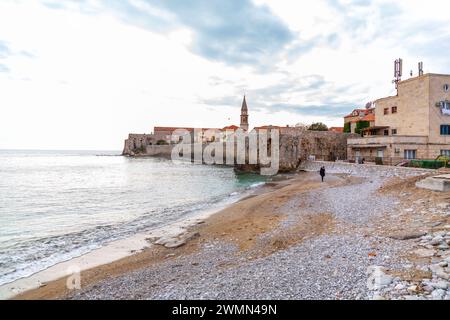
x,y
420,69
398,69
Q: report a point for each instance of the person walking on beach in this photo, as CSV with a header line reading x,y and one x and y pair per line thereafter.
x,y
322,173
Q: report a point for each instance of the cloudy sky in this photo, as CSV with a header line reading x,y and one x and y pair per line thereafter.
x,y
83,74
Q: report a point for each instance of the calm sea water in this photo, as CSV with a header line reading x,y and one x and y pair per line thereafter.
x,y
58,205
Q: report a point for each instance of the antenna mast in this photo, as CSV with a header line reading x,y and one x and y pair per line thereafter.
x,y
398,69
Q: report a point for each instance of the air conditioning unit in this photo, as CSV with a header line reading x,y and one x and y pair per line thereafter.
x,y
397,150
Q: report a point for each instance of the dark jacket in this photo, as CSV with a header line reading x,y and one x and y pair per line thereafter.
x,y
322,172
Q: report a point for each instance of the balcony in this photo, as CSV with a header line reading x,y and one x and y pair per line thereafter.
x,y
384,141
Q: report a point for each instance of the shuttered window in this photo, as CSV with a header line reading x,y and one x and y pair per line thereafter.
x,y
445,129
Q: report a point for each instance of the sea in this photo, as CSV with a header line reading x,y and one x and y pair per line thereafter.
x,y
58,205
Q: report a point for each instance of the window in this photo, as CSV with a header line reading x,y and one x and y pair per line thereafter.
x,y
445,130
394,131
410,154
394,109
445,153
386,111
380,153
386,132
357,156
445,107
446,87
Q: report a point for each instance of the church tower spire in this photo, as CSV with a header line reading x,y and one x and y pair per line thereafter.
x,y
244,115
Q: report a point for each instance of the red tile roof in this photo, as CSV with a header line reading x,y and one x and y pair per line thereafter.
x,y
337,129
369,117
269,127
172,129
363,111
232,127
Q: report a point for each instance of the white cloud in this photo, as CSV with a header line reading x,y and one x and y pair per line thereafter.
x,y
84,77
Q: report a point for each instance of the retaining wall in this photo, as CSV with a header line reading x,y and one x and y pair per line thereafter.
x,y
363,170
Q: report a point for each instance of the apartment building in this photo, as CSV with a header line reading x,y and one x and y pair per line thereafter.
x,y
414,124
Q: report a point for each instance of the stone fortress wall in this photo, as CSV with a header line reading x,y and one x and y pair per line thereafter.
x,y
296,146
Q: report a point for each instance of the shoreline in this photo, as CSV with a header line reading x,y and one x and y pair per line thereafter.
x,y
121,249
209,226
297,229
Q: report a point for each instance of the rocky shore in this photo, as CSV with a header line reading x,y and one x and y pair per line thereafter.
x,y
352,237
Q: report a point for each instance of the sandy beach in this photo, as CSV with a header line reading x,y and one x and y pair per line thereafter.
x,y
295,238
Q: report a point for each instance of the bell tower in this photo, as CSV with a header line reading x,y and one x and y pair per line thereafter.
x,y
244,115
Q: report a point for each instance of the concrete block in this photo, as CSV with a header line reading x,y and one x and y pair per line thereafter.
x,y
439,183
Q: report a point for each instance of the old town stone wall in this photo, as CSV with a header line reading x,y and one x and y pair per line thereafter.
x,y
296,146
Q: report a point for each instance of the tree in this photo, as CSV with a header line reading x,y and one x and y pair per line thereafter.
x,y
162,143
318,126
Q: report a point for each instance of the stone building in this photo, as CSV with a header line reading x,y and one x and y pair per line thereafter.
x,y
171,135
137,143
414,124
355,120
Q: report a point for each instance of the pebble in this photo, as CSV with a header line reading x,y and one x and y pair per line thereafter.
x,y
442,274
436,241
424,253
300,271
438,294
440,285
428,288
413,288
436,224
411,298
400,287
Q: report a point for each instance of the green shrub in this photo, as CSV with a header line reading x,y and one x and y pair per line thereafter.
x,y
162,143
318,126
347,127
427,164
446,160
361,125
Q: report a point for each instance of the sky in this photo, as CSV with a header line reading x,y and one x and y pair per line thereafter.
x,y
83,74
